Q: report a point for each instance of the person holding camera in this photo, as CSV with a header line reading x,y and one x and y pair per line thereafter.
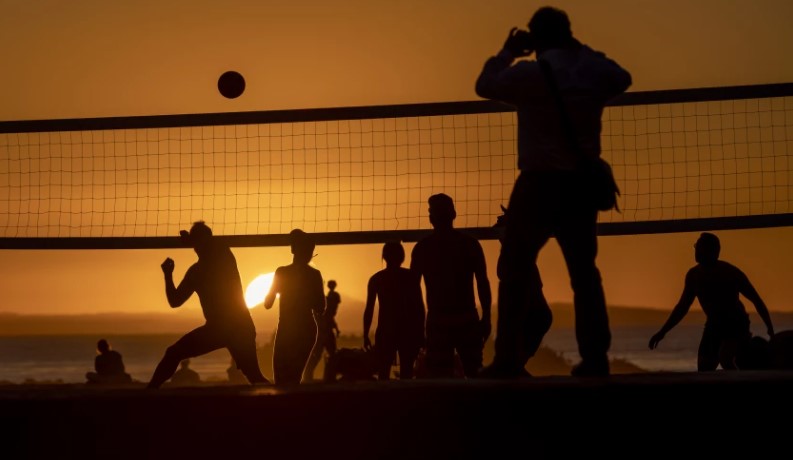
x,y
560,97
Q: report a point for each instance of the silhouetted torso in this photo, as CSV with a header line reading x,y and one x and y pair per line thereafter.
x,y
332,302
302,296
301,290
109,363
448,260
216,280
717,286
400,316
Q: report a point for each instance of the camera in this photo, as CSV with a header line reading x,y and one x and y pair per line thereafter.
x,y
521,42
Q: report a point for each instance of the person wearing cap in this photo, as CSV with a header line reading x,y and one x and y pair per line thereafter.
x,y
301,294
216,280
449,262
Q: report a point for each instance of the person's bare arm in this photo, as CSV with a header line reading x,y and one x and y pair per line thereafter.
x,y
748,291
275,288
368,312
485,296
176,295
678,313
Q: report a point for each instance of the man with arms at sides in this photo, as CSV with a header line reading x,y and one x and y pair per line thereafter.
x,y
717,285
301,305
548,198
450,261
216,280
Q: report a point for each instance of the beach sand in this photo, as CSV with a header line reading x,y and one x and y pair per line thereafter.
x,y
622,416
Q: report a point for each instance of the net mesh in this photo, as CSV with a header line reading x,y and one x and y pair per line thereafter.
x,y
675,160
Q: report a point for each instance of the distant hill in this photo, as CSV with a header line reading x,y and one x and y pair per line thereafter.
x,y
350,319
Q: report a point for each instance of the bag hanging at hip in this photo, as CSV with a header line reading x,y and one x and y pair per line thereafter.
x,y
599,177
602,185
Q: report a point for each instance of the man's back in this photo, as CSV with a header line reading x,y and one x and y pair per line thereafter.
x,y
216,280
587,79
447,260
717,286
401,308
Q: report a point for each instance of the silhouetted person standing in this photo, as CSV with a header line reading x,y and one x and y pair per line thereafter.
x,y
548,198
185,376
327,331
400,319
108,366
302,302
717,285
450,261
216,280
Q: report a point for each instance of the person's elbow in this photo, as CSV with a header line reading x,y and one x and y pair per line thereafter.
x,y
485,88
625,81
174,301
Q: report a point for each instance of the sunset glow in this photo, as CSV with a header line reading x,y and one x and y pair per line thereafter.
x,y
257,289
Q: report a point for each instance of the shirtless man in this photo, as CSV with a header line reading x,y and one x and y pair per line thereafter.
x,y
717,285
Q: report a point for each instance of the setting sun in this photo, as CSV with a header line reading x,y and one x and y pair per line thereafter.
x,y
257,289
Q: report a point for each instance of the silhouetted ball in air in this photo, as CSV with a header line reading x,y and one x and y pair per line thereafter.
x,y
231,84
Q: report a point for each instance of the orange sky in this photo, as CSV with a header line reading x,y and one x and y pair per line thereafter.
x,y
96,58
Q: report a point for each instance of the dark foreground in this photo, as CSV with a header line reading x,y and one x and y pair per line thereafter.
x,y
622,416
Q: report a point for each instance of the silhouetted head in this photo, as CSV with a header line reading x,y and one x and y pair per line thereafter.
x,y
102,346
442,212
302,245
393,253
550,28
707,248
185,363
332,285
199,236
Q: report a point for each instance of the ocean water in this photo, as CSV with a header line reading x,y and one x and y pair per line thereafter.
x,y
68,358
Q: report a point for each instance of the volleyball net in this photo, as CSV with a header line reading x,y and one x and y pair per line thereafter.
x,y
693,159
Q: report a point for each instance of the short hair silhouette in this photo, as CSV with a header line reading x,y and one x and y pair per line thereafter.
x,y
441,209
302,243
393,253
199,234
707,248
332,284
550,27
102,345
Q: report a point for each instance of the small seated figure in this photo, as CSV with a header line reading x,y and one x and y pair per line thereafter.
x,y
108,366
185,376
236,377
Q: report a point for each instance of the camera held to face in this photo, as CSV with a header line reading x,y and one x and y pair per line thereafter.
x,y
520,42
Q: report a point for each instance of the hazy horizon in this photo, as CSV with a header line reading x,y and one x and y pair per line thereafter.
x,y
394,53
